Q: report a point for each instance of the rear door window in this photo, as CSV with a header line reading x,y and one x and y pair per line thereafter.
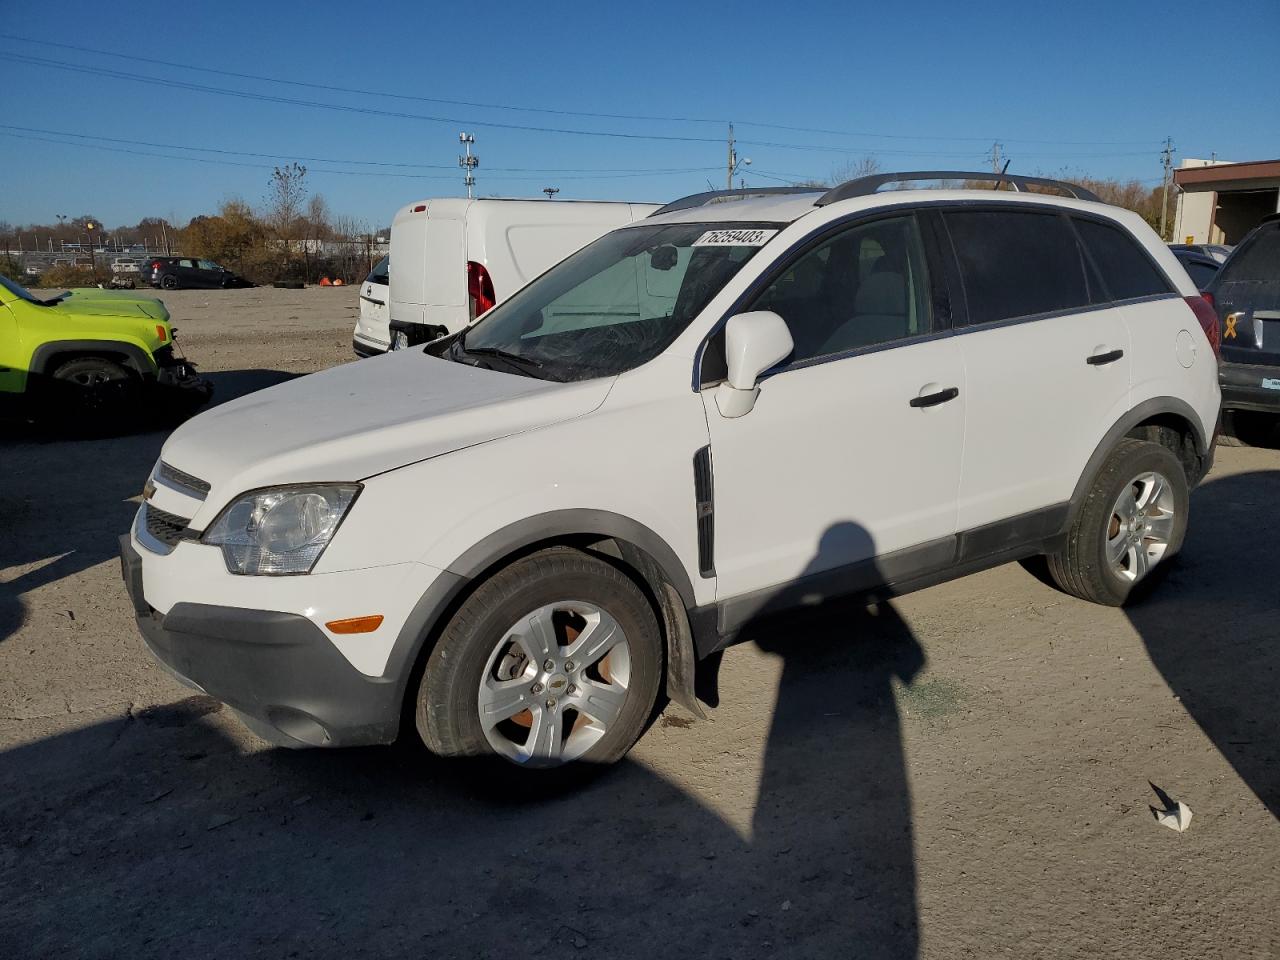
x,y
1016,263
1258,261
1127,271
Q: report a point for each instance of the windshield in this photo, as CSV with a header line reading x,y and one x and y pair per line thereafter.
x,y
18,290
618,302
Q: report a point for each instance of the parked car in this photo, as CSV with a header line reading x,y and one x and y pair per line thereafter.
x,y
177,273
33,269
1201,267
751,401
90,356
373,333
456,258
125,265
1217,251
1246,296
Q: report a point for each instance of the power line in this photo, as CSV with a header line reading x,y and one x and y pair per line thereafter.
x,y
374,163
333,88
344,108
372,111
345,173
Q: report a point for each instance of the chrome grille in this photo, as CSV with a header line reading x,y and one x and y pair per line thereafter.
x,y
182,481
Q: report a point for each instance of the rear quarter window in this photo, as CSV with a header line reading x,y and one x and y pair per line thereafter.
x,y
1127,272
1016,263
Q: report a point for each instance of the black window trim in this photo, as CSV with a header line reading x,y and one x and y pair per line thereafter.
x,y
939,300
1171,287
961,302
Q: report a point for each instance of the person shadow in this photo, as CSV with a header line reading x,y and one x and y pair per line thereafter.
x,y
1210,628
833,816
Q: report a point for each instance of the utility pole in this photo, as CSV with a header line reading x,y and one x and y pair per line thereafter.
x,y
1164,194
734,162
996,148
468,163
551,192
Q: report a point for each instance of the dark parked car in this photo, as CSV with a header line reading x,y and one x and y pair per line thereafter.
x,y
1201,267
1246,296
1217,251
175,273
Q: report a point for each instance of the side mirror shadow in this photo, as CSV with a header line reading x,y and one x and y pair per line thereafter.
x,y
753,343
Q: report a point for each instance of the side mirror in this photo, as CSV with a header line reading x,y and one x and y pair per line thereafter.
x,y
753,343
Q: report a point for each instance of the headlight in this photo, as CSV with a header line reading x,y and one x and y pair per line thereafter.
x,y
280,530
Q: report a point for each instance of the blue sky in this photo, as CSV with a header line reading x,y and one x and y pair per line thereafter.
x,y
1091,87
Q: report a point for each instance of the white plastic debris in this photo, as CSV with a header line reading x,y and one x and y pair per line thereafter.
x,y
1178,817
1175,815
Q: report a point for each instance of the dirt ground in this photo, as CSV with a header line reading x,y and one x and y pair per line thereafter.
x,y
965,772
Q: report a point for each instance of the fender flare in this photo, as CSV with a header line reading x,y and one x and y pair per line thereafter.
x,y
136,358
1144,411
445,592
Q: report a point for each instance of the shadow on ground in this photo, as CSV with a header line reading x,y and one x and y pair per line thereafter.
x,y
64,501
157,834
1211,626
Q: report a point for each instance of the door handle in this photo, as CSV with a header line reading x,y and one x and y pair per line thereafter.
x,y
1099,359
933,399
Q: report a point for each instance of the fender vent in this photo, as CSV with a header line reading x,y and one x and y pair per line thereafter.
x,y
192,486
704,501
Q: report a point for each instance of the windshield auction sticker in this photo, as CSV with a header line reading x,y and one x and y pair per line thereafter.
x,y
734,238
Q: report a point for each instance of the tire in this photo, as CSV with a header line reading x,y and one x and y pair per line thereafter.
x,y
169,282
93,391
1101,561
578,597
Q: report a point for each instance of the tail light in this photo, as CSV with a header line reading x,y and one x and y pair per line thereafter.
x,y
1202,307
479,289
155,264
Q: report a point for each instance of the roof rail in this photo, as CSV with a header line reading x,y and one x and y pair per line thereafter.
x,y
715,196
865,186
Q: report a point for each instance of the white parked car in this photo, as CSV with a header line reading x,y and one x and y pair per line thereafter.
x,y
523,535
372,335
125,265
456,258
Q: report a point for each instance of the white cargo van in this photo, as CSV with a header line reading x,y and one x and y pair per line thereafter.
x,y
456,258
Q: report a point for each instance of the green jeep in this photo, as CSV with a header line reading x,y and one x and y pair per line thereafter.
x,y
91,355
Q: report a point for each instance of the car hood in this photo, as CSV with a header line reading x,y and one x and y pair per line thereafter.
x,y
102,303
364,418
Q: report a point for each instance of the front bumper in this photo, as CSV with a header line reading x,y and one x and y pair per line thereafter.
x,y
1250,386
278,670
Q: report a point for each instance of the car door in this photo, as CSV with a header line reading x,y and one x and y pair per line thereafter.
x,y
374,320
1046,357
846,470
211,275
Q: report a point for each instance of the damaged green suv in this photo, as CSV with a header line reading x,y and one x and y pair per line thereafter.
x,y
91,356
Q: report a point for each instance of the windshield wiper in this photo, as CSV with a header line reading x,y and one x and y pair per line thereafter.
x,y
499,353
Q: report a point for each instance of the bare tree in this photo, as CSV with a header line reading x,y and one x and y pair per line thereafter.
x,y
286,191
850,169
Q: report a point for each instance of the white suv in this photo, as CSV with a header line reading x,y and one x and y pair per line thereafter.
x,y
522,535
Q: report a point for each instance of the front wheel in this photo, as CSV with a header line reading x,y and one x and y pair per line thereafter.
x,y
555,658
93,392
1129,527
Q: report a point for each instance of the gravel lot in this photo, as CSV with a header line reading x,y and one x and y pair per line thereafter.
x,y
962,773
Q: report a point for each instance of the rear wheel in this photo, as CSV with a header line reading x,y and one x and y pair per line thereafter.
x,y
554,659
1130,526
169,282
